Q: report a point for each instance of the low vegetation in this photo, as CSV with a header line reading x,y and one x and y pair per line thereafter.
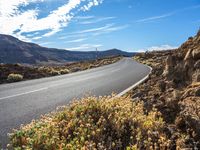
x,y
14,77
34,72
94,123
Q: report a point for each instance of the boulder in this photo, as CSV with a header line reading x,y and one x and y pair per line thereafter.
x,y
196,53
196,76
197,64
188,55
162,85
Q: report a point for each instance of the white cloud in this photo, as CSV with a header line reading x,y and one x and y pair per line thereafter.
x,y
95,29
96,20
77,40
14,19
45,43
101,30
72,36
154,18
91,4
167,14
85,47
158,48
36,37
83,17
112,29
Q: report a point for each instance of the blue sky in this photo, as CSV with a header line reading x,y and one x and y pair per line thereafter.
x,y
84,25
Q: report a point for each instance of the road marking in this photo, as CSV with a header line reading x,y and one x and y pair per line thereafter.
x,y
55,85
25,93
136,84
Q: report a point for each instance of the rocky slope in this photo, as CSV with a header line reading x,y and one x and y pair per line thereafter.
x,y
13,50
174,89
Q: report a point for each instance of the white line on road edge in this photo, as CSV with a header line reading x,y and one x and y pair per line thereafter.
x,y
23,93
134,85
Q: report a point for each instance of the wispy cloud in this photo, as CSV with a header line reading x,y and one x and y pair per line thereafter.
x,y
94,29
77,40
83,17
45,43
102,30
111,29
96,20
158,48
85,47
13,19
158,17
69,36
85,34
154,18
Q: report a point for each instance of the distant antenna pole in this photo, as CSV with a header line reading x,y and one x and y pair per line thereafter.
x,y
96,52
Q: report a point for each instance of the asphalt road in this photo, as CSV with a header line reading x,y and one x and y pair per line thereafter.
x,y
23,101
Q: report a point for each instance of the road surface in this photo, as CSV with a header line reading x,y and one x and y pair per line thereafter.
x,y
23,101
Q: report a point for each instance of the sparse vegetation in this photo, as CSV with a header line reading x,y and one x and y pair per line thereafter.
x,y
64,71
94,123
54,72
14,77
173,88
35,72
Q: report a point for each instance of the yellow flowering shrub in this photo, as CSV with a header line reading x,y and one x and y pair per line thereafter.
x,y
14,77
94,123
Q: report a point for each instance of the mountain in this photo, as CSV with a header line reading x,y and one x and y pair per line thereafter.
x,y
13,50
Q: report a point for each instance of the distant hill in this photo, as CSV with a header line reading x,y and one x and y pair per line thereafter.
x,y
13,50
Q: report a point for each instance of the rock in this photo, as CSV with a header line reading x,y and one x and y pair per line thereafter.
x,y
162,85
196,53
180,123
75,69
197,92
169,61
191,92
197,64
188,55
196,76
137,95
176,95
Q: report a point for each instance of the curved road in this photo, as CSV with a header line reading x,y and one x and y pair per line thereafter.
x,y
23,101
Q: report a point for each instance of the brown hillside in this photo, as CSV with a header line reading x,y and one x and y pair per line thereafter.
x,y
174,89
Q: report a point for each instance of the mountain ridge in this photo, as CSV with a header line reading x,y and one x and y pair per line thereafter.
x,y
14,50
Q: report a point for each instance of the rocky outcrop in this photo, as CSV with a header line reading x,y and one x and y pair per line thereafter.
x,y
174,89
183,65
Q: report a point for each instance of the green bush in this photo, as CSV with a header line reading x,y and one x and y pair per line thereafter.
x,y
94,123
14,77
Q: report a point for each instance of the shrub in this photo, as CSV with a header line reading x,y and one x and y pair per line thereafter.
x,y
14,77
75,69
64,71
54,72
44,69
94,123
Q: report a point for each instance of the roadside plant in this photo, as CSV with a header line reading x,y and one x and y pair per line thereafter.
x,y
64,71
54,72
14,77
94,123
